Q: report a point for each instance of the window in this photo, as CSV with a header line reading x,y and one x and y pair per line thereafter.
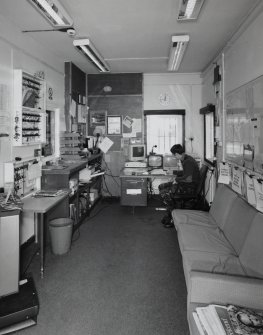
x,y
48,147
209,133
164,129
51,146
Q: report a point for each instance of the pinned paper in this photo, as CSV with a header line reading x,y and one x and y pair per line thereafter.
x,y
137,125
73,108
34,171
259,194
237,180
250,190
127,121
224,173
105,144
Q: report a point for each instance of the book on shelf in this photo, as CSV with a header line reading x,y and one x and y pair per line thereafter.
x,y
228,320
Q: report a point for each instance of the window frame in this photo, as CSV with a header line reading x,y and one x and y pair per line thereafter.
x,y
205,111
165,112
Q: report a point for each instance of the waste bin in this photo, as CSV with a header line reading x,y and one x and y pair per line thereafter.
x,y
60,235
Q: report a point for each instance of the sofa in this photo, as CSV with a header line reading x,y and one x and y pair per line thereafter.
x,y
222,253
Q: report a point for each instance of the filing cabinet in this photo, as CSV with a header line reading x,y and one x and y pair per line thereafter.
x,y
133,191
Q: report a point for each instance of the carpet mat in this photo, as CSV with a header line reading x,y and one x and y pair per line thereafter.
x,y
122,276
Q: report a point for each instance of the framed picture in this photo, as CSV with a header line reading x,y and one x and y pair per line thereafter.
x,y
97,118
114,125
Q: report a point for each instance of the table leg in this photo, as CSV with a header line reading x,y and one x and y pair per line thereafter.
x,y
41,238
36,227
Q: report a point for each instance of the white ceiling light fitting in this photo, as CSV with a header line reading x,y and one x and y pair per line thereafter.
x,y
53,11
179,44
87,48
189,9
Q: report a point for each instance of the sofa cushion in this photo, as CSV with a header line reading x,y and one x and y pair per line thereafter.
x,y
201,238
212,263
238,222
251,255
222,203
186,216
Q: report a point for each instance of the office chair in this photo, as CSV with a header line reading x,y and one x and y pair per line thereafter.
x,y
192,201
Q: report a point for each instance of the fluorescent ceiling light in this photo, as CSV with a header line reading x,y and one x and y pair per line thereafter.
x,y
179,44
53,11
189,9
87,48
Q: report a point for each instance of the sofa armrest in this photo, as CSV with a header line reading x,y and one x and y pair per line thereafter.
x,y
222,289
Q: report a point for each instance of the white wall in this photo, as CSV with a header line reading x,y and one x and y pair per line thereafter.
x,y
243,59
185,91
243,62
19,51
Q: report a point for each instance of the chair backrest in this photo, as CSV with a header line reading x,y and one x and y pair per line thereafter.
x,y
203,172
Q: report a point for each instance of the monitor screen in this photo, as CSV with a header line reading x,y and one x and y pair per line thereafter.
x,y
155,161
170,162
136,152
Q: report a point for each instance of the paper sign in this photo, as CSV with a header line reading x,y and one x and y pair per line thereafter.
x,y
105,144
250,190
259,194
134,191
237,181
224,173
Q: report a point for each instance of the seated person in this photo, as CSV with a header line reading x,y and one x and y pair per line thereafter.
x,y
185,184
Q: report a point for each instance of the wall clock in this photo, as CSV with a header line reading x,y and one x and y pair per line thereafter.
x,y
164,99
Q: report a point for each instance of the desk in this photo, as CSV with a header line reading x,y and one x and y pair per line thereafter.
x,y
134,187
41,207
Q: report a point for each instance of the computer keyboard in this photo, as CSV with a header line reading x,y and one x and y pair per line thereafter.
x,y
132,171
157,171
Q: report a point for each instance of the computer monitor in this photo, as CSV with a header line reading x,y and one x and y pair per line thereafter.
x,y
155,161
137,152
170,162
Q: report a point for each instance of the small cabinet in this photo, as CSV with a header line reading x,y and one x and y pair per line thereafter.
x,y
9,252
133,191
29,109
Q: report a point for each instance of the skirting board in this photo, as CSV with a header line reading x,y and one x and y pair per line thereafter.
x,y
18,326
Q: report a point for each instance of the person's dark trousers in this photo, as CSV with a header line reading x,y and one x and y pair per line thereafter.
x,y
166,191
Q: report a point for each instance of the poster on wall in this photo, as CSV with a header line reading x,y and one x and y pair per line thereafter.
x,y
131,126
114,125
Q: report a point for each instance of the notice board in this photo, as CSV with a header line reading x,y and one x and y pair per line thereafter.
x,y
244,125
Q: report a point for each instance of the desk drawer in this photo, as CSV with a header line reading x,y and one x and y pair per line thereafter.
x,y
133,192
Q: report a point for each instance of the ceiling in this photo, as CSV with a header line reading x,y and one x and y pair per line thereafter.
x,y
134,35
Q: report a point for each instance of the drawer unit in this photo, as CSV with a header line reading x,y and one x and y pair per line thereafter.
x,y
133,191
